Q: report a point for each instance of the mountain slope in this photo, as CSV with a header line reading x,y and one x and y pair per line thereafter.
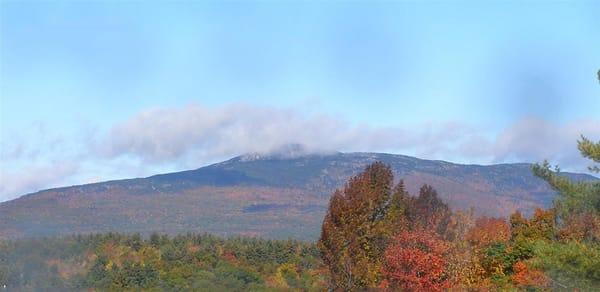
x,y
271,196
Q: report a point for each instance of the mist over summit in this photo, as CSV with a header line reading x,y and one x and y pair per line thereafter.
x,y
286,151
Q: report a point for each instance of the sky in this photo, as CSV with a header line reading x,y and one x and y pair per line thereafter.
x,y
99,90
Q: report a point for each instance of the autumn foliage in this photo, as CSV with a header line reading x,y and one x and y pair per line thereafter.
x,y
429,211
376,235
488,230
540,226
580,227
357,227
415,261
524,276
369,225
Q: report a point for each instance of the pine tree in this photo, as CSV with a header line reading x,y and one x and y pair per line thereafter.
x,y
579,201
400,206
590,150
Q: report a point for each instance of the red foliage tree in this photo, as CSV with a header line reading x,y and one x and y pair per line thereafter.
x,y
523,276
415,261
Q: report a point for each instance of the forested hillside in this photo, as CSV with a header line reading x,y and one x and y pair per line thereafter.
x,y
198,262
375,234
273,196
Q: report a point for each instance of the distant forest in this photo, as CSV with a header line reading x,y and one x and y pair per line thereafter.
x,y
197,262
374,235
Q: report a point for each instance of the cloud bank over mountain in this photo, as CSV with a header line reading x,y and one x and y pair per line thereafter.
x,y
163,139
206,133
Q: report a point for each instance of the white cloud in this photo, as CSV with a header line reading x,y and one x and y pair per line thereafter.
x,y
30,179
204,133
536,139
167,139
199,134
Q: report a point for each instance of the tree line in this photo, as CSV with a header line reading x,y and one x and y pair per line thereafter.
x,y
376,235
196,262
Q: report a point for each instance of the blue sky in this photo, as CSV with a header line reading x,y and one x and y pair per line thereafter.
x,y
102,90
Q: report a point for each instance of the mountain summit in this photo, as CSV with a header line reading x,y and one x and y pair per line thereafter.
x,y
278,195
287,151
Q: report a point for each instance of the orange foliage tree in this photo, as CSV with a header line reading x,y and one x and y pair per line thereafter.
x,y
464,269
541,226
415,261
488,230
580,227
524,277
357,227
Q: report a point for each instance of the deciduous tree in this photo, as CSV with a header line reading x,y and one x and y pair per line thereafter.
x,y
525,277
488,230
429,211
358,226
415,261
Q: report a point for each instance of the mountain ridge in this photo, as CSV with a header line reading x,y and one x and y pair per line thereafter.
x,y
271,196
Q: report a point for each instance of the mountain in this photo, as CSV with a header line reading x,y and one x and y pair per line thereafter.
x,y
274,196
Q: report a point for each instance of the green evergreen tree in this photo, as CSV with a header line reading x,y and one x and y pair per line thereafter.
x,y
576,197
